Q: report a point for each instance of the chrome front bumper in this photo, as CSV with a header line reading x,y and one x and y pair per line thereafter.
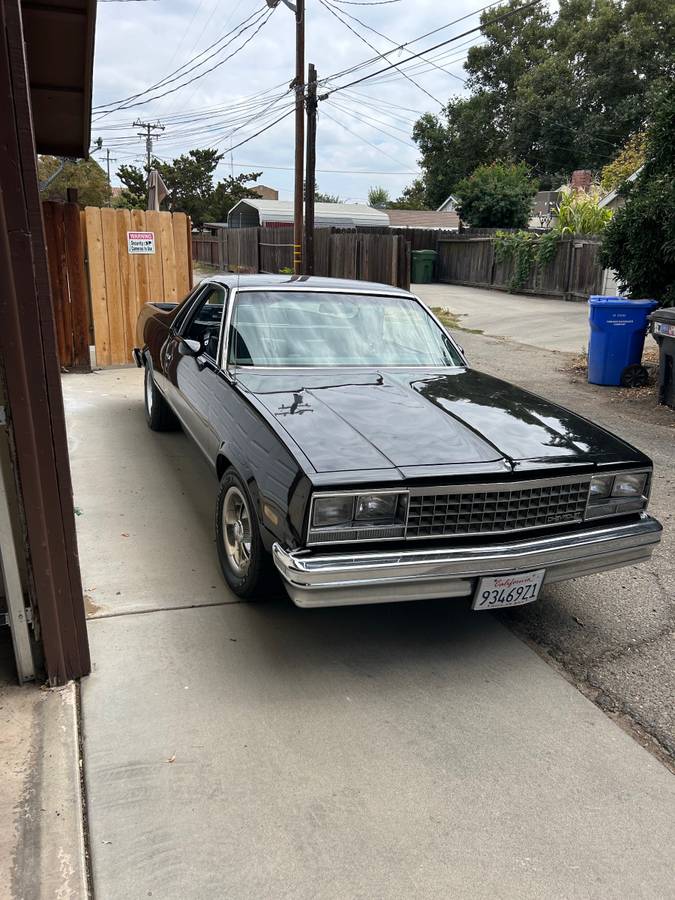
x,y
323,579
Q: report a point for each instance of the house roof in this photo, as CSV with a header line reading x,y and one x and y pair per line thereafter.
x,y
448,200
59,40
609,198
324,213
419,218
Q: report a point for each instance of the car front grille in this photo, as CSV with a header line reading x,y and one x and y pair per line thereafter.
x,y
495,509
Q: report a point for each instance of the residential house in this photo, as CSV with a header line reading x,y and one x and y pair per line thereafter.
x,y
448,205
613,200
267,193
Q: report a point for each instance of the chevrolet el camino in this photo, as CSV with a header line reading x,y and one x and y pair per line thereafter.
x,y
358,453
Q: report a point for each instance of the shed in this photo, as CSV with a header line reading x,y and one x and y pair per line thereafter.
x,y
271,213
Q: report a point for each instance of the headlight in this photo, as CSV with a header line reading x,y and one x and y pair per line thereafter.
x,y
629,485
601,486
617,493
350,517
332,511
380,508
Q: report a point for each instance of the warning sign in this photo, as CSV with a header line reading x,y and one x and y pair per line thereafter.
x,y
141,241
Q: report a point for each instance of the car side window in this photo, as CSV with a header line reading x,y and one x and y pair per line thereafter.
x,y
206,319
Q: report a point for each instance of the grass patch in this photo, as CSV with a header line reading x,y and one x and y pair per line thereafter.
x,y
451,320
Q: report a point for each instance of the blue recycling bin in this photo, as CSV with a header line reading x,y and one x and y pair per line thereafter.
x,y
618,328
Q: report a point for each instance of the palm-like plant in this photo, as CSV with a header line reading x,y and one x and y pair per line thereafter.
x,y
579,212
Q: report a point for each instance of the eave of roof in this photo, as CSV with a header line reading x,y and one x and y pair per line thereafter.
x,y
59,40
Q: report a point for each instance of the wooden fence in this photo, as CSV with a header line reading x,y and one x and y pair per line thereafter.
x,y
70,297
121,282
339,253
573,273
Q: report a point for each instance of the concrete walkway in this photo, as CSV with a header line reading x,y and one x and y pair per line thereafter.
x,y
539,321
42,847
259,750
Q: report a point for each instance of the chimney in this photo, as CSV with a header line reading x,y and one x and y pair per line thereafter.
x,y
581,179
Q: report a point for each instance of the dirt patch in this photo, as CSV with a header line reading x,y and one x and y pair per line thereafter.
x,y
451,320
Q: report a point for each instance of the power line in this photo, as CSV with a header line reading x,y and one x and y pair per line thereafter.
x,y
390,41
338,16
361,138
262,18
451,40
367,2
247,165
366,62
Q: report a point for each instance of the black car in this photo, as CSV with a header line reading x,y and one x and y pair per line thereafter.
x,y
356,448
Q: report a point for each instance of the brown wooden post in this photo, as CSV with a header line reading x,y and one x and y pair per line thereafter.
x,y
35,403
188,225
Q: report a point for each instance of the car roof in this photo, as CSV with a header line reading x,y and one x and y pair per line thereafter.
x,y
230,279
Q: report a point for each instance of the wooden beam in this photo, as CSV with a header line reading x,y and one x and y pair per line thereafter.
x,y
34,398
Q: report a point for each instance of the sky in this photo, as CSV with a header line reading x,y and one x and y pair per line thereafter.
x,y
363,132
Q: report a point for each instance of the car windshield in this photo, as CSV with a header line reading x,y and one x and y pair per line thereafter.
x,y
298,328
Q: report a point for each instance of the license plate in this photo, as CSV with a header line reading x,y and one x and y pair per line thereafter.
x,y
498,591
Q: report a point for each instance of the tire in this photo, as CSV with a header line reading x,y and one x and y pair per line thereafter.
x,y
246,565
158,413
634,376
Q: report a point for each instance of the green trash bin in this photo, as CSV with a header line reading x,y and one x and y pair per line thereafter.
x,y
423,266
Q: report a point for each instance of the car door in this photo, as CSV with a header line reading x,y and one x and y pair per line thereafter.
x,y
195,376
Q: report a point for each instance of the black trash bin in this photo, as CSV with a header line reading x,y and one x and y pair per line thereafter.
x,y
662,325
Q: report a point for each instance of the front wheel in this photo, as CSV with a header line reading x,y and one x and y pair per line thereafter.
x,y
245,563
158,413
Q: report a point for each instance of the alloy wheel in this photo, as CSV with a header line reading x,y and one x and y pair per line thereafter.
x,y
237,531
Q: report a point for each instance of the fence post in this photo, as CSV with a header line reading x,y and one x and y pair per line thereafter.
x,y
188,225
222,255
569,263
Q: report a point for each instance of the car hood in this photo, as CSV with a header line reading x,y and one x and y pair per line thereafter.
x,y
413,420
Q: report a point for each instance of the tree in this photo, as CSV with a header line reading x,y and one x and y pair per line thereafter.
x,y
135,192
320,197
559,93
639,243
379,197
496,196
413,197
85,175
189,179
228,193
630,158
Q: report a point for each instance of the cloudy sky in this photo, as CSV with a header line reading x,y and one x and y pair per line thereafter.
x,y
364,129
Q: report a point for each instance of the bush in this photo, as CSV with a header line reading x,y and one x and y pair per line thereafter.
x,y
496,196
639,243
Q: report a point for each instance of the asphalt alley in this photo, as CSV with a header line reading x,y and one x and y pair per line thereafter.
x,y
260,750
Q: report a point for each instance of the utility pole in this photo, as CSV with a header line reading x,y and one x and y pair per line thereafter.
x,y
310,180
108,160
151,129
298,7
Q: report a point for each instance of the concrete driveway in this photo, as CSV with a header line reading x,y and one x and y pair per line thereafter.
x,y
539,321
263,751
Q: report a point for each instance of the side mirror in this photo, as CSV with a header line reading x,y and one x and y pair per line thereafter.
x,y
188,347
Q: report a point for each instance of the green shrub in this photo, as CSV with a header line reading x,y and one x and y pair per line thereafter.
x,y
496,196
639,243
